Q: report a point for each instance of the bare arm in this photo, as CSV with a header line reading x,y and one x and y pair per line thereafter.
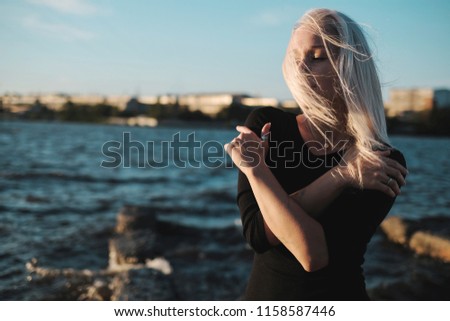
x,y
315,197
302,235
386,175
294,225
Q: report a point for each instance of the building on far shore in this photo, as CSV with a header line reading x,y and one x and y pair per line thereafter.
x,y
20,103
404,102
210,104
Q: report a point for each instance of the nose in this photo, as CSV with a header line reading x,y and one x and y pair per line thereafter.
x,y
305,69
302,66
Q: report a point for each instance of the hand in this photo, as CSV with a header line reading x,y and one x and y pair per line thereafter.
x,y
247,150
385,175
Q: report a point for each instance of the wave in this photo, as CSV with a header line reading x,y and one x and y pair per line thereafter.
x,y
62,210
80,178
425,280
224,195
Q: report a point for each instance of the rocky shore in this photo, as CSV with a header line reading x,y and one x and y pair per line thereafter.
x,y
154,259
417,264
429,236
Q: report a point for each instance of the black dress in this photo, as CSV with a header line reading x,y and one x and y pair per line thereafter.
x,y
349,222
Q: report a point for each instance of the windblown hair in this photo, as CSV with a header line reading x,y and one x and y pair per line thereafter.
x,y
357,82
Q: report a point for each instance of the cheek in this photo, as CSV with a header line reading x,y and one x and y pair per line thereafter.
x,y
322,70
326,86
326,74
326,82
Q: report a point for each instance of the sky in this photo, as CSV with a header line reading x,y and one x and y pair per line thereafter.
x,y
149,47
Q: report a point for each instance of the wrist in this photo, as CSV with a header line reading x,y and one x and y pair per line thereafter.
x,y
342,177
257,170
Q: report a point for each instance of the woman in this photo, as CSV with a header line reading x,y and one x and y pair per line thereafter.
x,y
312,195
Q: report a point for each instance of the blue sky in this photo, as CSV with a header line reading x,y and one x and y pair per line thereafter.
x,y
150,47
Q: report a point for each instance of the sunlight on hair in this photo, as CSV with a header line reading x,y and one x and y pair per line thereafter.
x,y
358,84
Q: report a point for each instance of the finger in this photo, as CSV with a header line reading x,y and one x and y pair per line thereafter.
x,y
265,135
395,174
382,187
396,165
266,129
243,129
246,134
229,147
395,187
392,184
243,137
247,139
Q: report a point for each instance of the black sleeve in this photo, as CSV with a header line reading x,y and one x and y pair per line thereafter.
x,y
378,204
350,222
252,220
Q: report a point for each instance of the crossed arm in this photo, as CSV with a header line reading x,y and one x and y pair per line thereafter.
x,y
289,219
286,222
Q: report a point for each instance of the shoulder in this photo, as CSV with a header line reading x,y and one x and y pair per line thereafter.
x,y
395,154
260,116
398,156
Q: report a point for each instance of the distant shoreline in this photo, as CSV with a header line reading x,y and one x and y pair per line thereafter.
x,y
402,130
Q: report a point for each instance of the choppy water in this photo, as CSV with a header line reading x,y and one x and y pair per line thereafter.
x,y
58,204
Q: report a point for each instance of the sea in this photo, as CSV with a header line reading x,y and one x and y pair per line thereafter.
x,y
62,185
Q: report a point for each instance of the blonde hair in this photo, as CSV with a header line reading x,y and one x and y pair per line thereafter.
x,y
357,83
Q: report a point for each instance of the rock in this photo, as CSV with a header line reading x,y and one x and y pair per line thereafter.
x,y
160,264
421,278
142,285
396,229
131,218
68,284
98,291
132,248
152,258
434,242
435,246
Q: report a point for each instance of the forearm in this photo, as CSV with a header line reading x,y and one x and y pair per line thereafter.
x,y
315,197
300,234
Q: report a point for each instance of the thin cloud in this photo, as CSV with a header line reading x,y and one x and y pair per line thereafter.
x,y
274,17
57,30
77,7
269,19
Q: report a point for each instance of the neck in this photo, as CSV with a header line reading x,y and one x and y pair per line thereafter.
x,y
333,141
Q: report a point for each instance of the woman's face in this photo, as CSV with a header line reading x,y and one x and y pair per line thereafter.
x,y
312,60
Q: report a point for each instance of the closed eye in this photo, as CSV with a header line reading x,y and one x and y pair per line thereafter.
x,y
318,54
